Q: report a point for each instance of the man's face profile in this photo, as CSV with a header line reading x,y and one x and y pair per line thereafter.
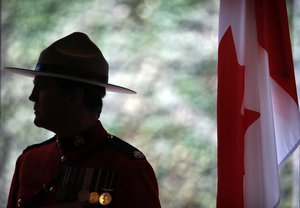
x,y
50,105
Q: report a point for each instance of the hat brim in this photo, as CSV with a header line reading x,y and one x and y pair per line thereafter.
x,y
107,86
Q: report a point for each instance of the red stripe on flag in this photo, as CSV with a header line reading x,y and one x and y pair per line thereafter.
x,y
273,35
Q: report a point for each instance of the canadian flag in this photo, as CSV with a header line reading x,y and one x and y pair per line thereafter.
x,y
258,114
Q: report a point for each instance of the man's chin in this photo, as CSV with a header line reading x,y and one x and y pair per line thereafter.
x,y
41,124
38,122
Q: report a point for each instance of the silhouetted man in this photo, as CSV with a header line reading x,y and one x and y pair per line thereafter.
x,y
82,165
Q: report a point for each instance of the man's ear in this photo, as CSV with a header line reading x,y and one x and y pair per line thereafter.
x,y
76,98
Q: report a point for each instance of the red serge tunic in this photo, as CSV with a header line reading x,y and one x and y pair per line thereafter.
x,y
91,169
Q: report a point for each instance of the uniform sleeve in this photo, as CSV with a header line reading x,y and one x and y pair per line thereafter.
x,y
14,187
137,186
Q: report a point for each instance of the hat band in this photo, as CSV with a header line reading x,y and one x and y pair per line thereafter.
x,y
47,68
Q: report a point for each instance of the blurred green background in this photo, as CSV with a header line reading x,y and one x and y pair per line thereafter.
x,y
164,49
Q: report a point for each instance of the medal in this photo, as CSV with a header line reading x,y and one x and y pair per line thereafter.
x,y
105,199
83,195
94,197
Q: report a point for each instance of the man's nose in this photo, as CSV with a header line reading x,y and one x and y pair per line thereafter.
x,y
32,96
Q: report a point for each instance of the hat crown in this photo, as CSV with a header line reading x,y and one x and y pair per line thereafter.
x,y
76,52
74,57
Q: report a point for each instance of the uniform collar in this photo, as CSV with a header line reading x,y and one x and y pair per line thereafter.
x,y
82,139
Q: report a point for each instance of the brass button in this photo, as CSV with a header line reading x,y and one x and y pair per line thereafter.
x,y
19,202
52,190
63,158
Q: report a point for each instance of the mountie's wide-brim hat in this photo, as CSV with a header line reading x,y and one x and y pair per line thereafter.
x,y
74,57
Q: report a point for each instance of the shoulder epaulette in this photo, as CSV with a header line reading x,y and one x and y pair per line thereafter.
x,y
39,144
131,151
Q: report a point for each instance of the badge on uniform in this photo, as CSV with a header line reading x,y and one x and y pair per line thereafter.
x,y
87,185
